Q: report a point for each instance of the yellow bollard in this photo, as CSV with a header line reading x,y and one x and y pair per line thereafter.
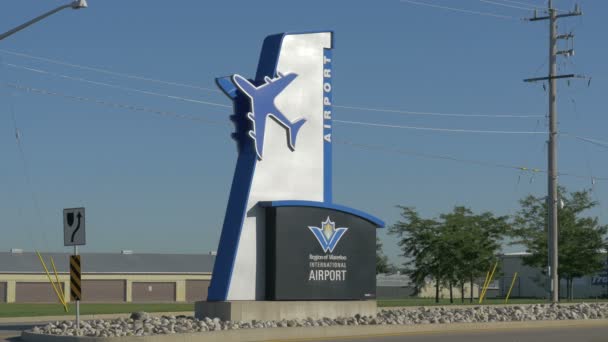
x,y
65,306
489,281
57,278
485,281
483,294
511,288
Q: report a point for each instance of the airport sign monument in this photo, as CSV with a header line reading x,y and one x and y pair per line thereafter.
x,y
286,249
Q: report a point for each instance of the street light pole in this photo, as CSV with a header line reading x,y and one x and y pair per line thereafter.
x,y
77,4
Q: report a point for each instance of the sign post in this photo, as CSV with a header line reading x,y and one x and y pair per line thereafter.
x,y
75,283
74,235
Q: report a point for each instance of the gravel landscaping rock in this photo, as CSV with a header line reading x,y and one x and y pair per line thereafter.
x,y
142,324
140,316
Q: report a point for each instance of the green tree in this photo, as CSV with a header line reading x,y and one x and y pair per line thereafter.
x,y
382,264
420,245
580,238
474,241
454,249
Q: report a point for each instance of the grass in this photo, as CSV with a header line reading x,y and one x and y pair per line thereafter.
x,y
490,301
27,310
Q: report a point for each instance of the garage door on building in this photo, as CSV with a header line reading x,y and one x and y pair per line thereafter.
x,y
196,290
153,292
31,292
104,291
2,292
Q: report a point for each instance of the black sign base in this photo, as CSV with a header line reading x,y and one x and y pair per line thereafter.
x,y
318,253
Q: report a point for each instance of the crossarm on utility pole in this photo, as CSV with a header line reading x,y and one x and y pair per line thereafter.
x,y
536,79
557,16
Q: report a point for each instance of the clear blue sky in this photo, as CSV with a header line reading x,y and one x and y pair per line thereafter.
x,y
160,184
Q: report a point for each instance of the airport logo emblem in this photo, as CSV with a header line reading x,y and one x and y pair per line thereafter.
x,y
262,106
328,235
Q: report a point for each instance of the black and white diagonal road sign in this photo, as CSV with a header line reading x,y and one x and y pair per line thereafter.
x,y
75,278
73,227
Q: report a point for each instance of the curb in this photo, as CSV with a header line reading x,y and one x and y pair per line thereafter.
x,y
316,333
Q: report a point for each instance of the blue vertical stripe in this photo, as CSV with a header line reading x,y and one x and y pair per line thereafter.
x,y
243,175
327,125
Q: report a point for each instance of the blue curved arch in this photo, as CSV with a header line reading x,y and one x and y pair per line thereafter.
x,y
372,219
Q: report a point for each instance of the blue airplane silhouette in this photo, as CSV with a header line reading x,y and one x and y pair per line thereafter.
x,y
262,106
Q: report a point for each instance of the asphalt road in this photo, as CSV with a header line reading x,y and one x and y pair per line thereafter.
x,y
12,331
565,334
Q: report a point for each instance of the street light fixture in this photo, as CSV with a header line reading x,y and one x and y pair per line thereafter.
x,y
77,4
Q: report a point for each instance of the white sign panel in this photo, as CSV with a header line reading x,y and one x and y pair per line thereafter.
x,y
73,227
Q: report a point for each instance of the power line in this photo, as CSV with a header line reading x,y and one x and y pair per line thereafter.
x,y
225,124
505,5
593,185
397,111
109,85
460,10
113,73
187,117
181,116
433,156
115,105
461,160
381,110
454,130
589,140
27,174
533,6
222,123
25,171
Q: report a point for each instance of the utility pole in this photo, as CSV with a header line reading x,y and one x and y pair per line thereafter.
x,y
552,198
605,275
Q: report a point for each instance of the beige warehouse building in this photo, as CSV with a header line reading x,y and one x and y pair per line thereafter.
x,y
531,282
109,278
155,278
